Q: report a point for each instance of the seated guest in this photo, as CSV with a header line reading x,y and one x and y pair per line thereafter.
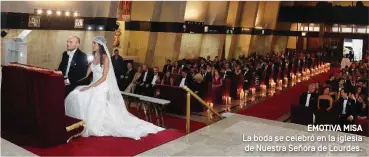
x,y
309,99
361,104
156,78
128,76
340,87
167,67
185,80
325,101
332,81
192,72
145,81
132,86
217,88
199,86
167,79
208,59
346,108
202,63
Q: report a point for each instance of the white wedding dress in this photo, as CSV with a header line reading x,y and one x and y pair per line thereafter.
x,y
103,110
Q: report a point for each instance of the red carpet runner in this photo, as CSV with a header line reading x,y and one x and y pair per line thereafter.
x,y
280,104
107,146
115,146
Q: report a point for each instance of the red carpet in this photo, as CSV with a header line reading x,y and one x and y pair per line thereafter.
x,y
114,146
173,122
275,107
107,146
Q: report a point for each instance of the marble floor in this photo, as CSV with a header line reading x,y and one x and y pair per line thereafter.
x,y
228,137
10,149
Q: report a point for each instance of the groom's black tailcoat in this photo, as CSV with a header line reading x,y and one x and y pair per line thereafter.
x,y
77,71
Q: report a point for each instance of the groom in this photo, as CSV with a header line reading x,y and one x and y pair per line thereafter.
x,y
74,65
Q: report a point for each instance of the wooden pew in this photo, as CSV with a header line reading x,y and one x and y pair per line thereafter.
x,y
301,115
33,107
177,97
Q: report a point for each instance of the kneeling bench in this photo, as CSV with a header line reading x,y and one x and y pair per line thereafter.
x,y
33,108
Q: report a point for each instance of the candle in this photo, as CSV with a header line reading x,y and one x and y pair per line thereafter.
x,y
252,91
242,94
210,114
229,100
263,90
279,85
285,82
298,77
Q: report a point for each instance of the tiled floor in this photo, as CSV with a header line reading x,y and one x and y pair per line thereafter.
x,y
225,138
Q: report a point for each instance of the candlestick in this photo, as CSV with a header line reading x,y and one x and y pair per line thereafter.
x,y
279,84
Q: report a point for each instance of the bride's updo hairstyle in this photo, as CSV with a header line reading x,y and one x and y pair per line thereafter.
x,y
99,40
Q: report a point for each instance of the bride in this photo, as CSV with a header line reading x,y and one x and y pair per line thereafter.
x,y
100,105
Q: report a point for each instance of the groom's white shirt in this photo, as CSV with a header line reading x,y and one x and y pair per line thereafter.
x,y
70,54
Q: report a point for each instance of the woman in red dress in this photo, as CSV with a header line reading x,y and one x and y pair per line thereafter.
x,y
217,88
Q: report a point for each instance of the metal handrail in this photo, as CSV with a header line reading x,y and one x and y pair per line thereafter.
x,y
188,105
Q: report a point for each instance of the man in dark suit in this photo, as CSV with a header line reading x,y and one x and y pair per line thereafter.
x,y
119,67
207,76
275,69
247,77
127,76
309,99
346,108
268,72
185,80
74,65
167,67
228,72
144,82
309,61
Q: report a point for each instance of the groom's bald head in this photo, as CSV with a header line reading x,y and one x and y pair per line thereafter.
x,y
73,43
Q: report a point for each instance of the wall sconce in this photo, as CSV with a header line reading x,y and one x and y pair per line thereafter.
x,y
303,34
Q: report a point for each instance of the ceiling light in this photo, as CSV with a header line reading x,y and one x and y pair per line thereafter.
x,y
89,27
101,28
49,12
75,14
58,13
39,11
67,13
